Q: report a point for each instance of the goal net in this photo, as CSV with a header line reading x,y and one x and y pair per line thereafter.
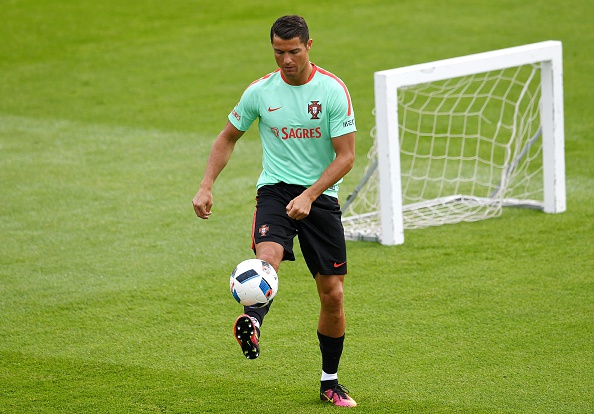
x,y
458,140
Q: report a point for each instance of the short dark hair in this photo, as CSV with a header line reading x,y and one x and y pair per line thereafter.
x,y
288,27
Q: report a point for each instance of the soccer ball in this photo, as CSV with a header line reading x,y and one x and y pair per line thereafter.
x,y
254,283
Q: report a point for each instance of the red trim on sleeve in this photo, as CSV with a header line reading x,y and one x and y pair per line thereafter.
x,y
263,77
346,91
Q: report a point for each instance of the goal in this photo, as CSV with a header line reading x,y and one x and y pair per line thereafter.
x,y
459,139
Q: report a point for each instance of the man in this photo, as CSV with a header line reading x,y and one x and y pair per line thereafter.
x,y
307,128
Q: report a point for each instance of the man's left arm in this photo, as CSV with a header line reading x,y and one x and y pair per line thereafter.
x,y
344,147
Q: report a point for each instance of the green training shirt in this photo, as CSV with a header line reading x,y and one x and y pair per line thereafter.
x,y
297,125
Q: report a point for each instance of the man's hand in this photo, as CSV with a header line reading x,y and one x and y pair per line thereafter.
x,y
299,207
202,203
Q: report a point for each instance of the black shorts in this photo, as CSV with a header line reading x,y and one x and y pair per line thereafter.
x,y
321,235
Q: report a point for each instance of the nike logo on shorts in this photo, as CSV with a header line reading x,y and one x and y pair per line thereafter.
x,y
338,264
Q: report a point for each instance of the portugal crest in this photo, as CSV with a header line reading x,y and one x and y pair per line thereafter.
x,y
263,230
315,109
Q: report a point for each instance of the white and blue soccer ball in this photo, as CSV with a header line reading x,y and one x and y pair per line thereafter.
x,y
254,282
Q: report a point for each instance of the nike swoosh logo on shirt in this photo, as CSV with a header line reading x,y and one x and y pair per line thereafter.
x,y
274,109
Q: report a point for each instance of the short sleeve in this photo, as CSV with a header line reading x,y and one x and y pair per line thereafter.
x,y
246,110
342,115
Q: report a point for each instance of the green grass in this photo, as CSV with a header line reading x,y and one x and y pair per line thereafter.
x,y
113,296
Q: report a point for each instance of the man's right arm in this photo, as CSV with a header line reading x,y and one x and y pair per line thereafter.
x,y
217,160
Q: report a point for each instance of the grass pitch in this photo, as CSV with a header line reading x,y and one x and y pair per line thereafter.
x,y
114,297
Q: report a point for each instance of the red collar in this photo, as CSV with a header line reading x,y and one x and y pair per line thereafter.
x,y
313,72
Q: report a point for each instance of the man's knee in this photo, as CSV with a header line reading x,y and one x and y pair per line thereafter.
x,y
331,291
270,252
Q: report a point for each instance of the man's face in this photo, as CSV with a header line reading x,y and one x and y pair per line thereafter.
x,y
292,57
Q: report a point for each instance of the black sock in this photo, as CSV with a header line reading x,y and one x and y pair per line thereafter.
x,y
326,385
258,313
331,349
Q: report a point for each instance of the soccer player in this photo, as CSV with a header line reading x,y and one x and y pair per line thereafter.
x,y
307,128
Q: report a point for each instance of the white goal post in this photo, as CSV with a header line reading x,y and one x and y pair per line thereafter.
x,y
458,139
